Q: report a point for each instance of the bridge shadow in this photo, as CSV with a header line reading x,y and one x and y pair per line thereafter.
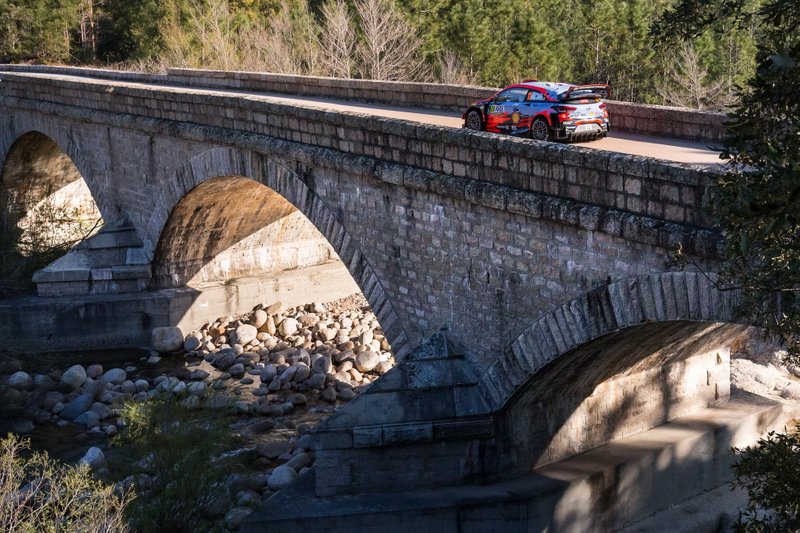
x,y
46,208
612,387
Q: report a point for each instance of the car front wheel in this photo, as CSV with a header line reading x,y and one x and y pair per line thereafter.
x,y
474,120
540,131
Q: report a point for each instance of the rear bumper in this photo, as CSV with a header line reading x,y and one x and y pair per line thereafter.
x,y
567,132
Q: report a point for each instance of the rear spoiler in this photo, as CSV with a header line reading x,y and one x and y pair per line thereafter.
x,y
579,91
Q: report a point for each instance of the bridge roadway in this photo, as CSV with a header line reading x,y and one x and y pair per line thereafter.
x,y
664,148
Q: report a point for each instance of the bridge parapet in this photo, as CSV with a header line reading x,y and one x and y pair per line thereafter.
x,y
664,192
629,117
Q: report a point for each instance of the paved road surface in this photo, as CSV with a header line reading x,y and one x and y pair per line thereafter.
x,y
644,145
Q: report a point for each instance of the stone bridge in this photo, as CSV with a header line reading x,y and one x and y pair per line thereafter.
x,y
524,286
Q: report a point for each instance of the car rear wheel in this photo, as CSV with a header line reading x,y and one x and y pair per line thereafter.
x,y
474,120
540,131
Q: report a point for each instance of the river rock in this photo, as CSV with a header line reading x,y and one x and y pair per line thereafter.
x,y
167,339
102,410
328,394
243,335
197,388
225,358
117,376
299,461
88,419
94,371
301,374
268,373
297,399
287,327
366,337
281,477
198,374
275,308
77,406
73,378
128,387
346,394
269,326
259,318
316,381
322,364
326,334
93,458
191,343
308,320
274,449
20,380
366,361
236,370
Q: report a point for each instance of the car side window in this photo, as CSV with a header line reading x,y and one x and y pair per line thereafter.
x,y
512,95
535,96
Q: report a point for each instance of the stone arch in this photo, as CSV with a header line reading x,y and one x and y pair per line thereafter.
x,y
46,202
285,190
620,359
68,143
622,304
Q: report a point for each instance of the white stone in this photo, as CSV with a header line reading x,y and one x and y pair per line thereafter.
x,y
281,477
366,361
94,458
287,327
167,339
259,317
75,376
244,334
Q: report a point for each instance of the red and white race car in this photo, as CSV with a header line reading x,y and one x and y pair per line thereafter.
x,y
544,111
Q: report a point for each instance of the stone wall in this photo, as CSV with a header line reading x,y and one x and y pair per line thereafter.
x,y
669,192
626,117
484,251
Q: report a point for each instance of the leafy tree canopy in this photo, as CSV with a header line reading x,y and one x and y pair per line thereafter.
x,y
758,198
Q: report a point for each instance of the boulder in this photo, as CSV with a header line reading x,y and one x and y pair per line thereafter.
x,y
274,449
191,343
288,327
74,377
94,458
89,419
243,335
167,339
117,376
259,318
94,371
366,361
20,380
281,477
77,406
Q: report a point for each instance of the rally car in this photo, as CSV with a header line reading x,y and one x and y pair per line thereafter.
x,y
544,111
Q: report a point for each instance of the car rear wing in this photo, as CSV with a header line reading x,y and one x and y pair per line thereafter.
x,y
582,91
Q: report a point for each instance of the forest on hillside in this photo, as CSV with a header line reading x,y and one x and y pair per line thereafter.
x,y
483,42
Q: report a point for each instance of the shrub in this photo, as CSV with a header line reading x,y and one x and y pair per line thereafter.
x,y
180,477
39,494
768,471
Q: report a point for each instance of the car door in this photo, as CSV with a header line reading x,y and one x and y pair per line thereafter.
x,y
505,111
535,104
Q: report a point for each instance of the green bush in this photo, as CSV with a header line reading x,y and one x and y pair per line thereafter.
x,y
181,471
769,473
41,495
